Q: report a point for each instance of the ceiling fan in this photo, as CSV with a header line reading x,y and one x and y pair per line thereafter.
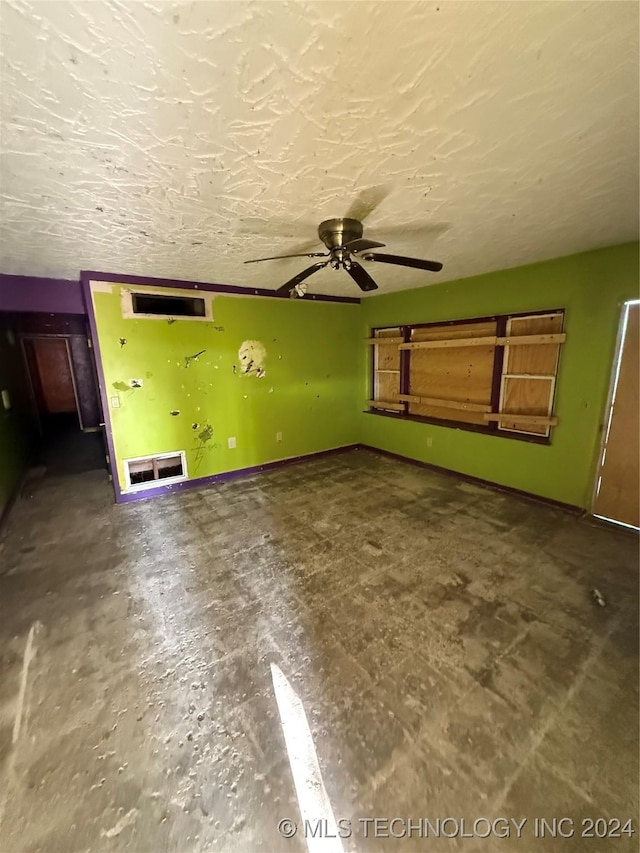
x,y
343,239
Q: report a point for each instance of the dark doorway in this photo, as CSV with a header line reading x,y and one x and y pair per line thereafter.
x,y
64,394
66,449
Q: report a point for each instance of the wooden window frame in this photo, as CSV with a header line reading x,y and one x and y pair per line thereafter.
x,y
491,427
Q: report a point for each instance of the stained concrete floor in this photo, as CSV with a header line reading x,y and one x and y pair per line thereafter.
x,y
440,636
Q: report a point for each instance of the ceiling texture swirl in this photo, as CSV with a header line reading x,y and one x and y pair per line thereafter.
x,y
179,139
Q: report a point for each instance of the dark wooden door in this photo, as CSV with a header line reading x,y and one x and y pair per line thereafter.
x,y
54,375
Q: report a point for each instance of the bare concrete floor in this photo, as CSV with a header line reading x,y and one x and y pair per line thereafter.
x,y
441,638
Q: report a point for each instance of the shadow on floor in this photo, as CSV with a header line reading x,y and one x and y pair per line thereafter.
x,y
65,449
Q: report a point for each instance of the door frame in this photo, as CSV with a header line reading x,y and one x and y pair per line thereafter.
x,y
35,336
608,410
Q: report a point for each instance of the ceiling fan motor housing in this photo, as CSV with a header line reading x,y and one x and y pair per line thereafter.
x,y
335,233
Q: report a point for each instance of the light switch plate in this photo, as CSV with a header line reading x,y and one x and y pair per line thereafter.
x,y
115,402
232,442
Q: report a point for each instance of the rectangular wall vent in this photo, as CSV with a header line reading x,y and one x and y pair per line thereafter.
x,y
163,468
168,306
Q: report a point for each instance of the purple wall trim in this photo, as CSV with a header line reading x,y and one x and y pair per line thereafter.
x,y
47,295
102,383
117,278
200,482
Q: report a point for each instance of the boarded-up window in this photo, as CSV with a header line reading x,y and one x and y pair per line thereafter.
x,y
452,382
494,374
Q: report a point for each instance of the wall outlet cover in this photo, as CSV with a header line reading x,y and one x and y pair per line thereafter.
x,y
115,402
232,442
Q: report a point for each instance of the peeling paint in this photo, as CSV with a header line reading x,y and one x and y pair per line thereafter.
x,y
174,412
252,355
123,341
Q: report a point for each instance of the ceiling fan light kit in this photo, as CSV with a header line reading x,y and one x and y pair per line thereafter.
x,y
343,240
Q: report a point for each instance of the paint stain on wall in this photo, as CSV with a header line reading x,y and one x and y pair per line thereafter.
x,y
121,386
252,355
189,358
204,444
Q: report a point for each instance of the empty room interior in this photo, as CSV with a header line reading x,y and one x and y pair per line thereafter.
x,y
319,426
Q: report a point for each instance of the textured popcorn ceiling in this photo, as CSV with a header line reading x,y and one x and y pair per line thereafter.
x,y
178,139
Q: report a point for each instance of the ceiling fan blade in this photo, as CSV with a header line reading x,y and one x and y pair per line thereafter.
x,y
410,229
361,245
367,201
276,227
361,277
281,257
297,279
432,266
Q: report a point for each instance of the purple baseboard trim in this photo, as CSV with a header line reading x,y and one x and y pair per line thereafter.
x,y
200,482
24,293
118,278
477,481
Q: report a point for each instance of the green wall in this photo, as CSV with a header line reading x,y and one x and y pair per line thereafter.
x,y
309,391
317,376
591,287
16,426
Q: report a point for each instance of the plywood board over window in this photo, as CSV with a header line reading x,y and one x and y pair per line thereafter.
x,y
386,369
529,374
452,383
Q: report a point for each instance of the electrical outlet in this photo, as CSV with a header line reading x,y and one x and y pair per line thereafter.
x,y
115,402
278,436
429,442
232,442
